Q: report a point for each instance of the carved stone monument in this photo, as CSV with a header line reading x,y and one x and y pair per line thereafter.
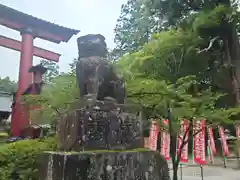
x,y
101,138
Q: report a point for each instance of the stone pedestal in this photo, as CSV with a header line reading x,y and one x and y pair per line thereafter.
x,y
101,125
104,165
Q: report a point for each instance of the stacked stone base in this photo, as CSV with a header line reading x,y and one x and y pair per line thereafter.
x,y
104,165
101,125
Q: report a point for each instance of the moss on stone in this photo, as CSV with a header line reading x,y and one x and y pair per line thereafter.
x,y
98,151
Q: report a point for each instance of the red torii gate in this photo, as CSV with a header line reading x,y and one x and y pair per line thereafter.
x,y
29,27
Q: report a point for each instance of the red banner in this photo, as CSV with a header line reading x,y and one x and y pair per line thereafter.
x,y
184,129
165,142
199,152
223,139
211,141
153,136
238,131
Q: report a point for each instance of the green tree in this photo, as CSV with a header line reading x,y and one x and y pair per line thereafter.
x,y
6,84
168,56
163,100
72,66
134,27
217,23
52,70
158,80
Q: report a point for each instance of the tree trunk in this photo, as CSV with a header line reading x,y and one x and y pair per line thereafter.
x,y
175,171
173,138
234,58
231,71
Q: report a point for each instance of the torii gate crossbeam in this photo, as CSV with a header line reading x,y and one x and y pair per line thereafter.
x,y
38,52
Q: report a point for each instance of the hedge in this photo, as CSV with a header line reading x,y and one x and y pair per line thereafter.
x,y
23,156
3,137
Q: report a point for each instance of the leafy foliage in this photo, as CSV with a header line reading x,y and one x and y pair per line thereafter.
x,y
6,84
199,41
55,99
134,27
214,22
189,66
169,56
72,67
25,157
154,96
52,70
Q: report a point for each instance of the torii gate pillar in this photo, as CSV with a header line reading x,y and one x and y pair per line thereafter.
x,y
26,60
20,115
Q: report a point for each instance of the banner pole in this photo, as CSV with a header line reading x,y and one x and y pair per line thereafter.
x,y
181,173
201,167
193,141
224,162
210,154
212,157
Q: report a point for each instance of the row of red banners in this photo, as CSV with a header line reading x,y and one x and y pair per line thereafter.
x,y
199,138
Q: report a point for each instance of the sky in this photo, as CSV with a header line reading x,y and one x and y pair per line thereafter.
x,y
88,16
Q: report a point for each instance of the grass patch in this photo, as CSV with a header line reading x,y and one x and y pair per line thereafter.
x,y
3,134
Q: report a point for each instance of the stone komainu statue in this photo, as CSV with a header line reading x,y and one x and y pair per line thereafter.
x,y
91,45
95,75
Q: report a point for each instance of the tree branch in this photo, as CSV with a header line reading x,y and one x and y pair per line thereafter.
x,y
183,143
209,46
181,61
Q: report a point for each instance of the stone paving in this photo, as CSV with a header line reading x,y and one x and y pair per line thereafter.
x,y
193,172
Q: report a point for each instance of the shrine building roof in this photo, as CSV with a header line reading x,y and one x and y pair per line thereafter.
x,y
17,20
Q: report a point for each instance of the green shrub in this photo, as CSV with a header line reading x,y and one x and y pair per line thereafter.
x,y
24,156
3,137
